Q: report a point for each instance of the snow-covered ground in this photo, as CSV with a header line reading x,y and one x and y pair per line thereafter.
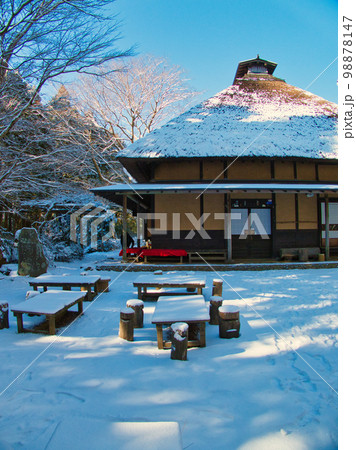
x,y
272,388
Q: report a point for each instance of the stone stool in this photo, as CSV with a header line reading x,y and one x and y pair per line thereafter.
x,y
4,315
137,306
126,330
179,348
215,303
102,285
217,287
229,323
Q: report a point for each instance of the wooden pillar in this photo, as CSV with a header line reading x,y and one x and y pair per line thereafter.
x,y
124,227
52,324
19,322
228,227
327,231
159,336
138,225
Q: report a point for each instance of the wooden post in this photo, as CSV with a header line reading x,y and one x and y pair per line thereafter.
x,y
327,231
138,228
139,292
215,303
80,307
179,347
217,287
228,227
179,341
159,336
19,322
124,228
202,334
52,324
127,324
137,307
4,315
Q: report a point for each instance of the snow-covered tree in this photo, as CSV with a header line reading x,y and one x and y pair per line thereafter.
x,y
53,148
133,97
87,151
44,39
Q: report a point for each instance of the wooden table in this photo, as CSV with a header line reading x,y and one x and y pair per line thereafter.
x,y
51,304
190,309
67,282
167,281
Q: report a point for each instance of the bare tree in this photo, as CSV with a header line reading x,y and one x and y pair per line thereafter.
x,y
43,39
87,151
135,97
24,162
54,149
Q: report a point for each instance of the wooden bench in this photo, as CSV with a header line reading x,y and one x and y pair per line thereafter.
x,y
208,255
52,304
301,253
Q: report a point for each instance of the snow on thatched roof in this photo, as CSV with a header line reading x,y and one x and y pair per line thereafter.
x,y
259,116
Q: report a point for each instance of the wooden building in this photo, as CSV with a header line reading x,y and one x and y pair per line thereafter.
x,y
251,170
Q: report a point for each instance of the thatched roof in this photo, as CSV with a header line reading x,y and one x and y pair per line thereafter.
x,y
258,116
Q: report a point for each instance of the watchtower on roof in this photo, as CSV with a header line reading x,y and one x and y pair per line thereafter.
x,y
254,66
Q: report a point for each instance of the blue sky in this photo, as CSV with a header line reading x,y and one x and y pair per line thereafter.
x,y
208,38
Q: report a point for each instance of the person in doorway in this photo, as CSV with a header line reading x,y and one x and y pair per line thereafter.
x,y
130,242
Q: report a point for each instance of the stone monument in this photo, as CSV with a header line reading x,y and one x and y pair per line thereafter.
x,y
32,260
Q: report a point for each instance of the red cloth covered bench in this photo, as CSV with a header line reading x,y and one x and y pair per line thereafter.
x,y
156,252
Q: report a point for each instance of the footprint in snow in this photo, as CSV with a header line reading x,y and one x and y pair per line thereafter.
x,y
72,396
